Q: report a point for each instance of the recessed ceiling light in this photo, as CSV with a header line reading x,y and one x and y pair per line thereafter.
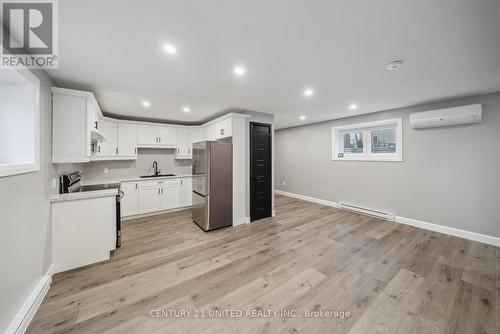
x,y
186,109
146,104
353,106
239,71
303,118
169,49
394,65
308,92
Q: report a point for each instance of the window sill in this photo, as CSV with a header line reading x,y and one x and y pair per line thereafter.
x,y
16,169
386,159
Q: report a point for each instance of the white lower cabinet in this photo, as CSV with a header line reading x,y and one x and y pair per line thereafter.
x,y
129,203
186,188
83,231
170,194
149,200
143,197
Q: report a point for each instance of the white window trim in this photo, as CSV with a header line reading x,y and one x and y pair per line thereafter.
x,y
22,168
366,127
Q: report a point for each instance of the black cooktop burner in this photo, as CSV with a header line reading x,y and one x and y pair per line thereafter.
x,y
94,187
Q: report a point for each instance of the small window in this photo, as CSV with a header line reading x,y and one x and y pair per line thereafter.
x,y
19,122
376,141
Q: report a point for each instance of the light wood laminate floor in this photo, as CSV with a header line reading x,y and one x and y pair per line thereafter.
x,y
391,278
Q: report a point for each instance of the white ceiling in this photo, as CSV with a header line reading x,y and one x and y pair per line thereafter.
x,y
339,48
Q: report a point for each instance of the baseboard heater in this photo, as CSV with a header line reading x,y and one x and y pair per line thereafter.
x,y
366,211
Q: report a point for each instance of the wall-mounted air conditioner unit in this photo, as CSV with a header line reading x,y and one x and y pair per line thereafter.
x,y
446,117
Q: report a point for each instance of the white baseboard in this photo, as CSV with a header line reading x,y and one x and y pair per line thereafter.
x,y
27,311
245,220
307,198
486,239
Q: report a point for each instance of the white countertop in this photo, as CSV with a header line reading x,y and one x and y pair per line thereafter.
x,y
83,195
135,179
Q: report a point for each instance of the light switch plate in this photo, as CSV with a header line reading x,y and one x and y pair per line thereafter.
x,y
106,170
283,183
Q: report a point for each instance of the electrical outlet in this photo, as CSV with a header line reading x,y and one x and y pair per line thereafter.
x,y
106,170
283,183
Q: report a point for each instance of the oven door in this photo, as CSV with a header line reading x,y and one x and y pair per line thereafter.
x,y
201,210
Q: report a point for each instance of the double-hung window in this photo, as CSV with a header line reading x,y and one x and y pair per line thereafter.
x,y
375,141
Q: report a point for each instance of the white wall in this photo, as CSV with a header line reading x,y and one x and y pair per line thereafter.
x,y
25,230
449,176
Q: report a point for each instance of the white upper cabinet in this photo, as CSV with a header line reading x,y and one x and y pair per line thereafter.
x,y
183,146
168,136
109,147
147,135
210,132
80,133
74,117
195,135
120,141
186,137
223,129
157,136
127,140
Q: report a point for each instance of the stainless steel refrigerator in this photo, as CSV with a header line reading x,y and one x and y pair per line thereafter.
x,y
212,185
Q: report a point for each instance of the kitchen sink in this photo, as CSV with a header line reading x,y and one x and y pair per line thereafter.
x,y
158,175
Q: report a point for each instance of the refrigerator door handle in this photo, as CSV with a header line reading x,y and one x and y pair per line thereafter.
x,y
197,193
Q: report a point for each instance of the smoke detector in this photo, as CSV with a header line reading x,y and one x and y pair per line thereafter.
x,y
394,65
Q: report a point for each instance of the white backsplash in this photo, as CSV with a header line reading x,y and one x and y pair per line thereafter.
x,y
93,172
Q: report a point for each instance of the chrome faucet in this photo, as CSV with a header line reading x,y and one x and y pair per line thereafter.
x,y
155,167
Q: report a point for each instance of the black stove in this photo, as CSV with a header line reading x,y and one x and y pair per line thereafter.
x,y
95,187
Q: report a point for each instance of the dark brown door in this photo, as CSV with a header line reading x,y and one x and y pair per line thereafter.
x,y
260,171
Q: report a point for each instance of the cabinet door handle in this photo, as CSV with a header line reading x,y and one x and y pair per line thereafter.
x,y
96,125
158,191
136,186
98,148
189,151
117,150
135,150
177,151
